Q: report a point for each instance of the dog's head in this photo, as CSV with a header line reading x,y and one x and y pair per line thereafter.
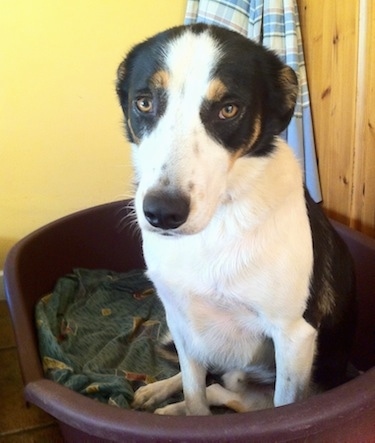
x,y
198,99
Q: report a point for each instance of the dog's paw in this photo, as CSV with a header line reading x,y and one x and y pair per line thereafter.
x,y
147,397
180,409
150,396
172,409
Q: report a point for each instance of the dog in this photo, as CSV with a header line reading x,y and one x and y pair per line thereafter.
x,y
255,282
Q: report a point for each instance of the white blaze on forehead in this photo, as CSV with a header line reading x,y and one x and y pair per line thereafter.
x,y
190,60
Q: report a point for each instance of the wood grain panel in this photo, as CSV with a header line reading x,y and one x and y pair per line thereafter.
x,y
329,31
362,216
339,45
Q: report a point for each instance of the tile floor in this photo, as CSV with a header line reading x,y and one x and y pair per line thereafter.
x,y
19,423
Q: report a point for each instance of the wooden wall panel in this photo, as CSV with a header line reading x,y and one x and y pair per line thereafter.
x,y
343,120
363,202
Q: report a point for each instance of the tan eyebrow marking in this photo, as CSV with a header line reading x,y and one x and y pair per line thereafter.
x,y
160,79
216,90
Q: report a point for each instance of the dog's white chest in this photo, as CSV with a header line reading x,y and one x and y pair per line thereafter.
x,y
224,334
225,297
208,304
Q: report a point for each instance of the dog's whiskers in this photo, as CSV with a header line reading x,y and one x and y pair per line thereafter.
x,y
129,220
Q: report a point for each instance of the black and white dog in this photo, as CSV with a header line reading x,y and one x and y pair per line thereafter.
x,y
255,282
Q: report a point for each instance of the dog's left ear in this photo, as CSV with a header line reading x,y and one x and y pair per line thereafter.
x,y
282,90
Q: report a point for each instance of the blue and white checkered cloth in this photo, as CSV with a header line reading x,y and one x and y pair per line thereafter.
x,y
275,24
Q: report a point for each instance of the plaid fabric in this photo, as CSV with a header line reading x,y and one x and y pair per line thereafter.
x,y
275,24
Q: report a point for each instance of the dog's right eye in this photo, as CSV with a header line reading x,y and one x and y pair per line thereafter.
x,y
144,104
228,111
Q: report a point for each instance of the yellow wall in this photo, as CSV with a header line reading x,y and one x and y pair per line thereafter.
x,y
62,146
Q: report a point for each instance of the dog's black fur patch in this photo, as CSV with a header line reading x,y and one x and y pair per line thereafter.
x,y
332,305
246,67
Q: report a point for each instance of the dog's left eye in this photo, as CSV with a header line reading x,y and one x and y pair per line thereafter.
x,y
144,104
228,111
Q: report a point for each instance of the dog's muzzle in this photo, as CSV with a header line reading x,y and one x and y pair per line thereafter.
x,y
166,210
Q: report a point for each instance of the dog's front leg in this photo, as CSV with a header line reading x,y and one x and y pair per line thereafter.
x,y
193,373
294,352
194,385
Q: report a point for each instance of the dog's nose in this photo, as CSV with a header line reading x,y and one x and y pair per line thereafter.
x,y
166,210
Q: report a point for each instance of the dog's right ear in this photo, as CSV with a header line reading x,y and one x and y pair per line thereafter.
x,y
122,86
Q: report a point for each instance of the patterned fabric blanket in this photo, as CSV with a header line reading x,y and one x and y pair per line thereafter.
x,y
99,332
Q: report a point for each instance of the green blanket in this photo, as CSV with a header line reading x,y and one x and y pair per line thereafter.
x,y
99,333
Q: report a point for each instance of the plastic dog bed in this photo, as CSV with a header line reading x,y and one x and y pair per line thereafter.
x,y
104,237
